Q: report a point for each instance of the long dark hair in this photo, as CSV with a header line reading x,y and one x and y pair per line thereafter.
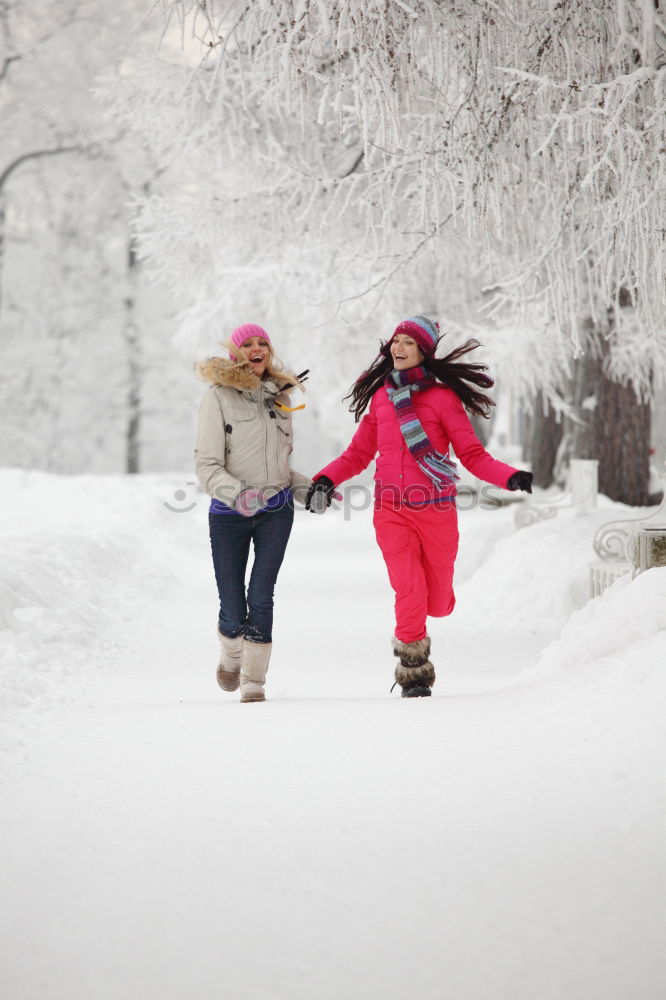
x,y
450,372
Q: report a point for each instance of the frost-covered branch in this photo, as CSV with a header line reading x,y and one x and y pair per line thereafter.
x,y
383,133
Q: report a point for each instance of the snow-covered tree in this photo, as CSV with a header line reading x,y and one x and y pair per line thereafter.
x,y
82,338
538,128
522,140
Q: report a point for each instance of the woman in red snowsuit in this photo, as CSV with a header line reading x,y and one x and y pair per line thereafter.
x,y
416,410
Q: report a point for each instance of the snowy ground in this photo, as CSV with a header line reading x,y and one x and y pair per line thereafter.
x,y
503,840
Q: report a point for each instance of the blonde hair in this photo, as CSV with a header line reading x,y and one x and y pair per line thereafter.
x,y
274,368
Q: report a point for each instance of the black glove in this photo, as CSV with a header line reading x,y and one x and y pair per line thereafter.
x,y
521,481
319,495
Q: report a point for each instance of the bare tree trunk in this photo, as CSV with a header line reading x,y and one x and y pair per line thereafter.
x,y
613,427
4,178
132,337
545,435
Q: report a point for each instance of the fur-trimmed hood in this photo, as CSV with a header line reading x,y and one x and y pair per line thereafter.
x,y
237,375
222,371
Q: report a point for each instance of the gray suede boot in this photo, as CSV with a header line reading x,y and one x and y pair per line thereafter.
x,y
254,664
415,673
228,670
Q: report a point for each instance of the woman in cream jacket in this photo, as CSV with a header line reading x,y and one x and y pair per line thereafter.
x,y
244,441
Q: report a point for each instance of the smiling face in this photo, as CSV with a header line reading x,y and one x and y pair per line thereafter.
x,y
405,352
257,352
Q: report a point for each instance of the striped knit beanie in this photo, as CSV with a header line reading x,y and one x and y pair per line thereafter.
x,y
423,330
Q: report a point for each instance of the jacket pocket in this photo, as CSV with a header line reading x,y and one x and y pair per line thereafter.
x,y
240,411
239,432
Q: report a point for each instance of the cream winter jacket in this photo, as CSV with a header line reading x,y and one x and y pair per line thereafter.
x,y
244,440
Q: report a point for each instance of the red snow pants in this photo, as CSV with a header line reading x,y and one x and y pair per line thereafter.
x,y
419,545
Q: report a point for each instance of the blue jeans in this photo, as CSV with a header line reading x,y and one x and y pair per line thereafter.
x,y
249,614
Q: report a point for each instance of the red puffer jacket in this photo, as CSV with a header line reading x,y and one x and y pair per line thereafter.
x,y
398,479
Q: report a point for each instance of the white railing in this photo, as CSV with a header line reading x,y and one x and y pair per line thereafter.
x,y
628,545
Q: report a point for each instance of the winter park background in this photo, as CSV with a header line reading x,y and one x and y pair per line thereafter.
x,y
325,169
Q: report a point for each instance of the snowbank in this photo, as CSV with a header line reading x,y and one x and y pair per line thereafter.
x,y
79,554
536,577
617,624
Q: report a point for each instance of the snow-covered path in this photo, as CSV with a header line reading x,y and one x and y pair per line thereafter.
x,y
503,839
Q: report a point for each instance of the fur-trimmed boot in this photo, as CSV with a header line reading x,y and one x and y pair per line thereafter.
x,y
415,673
254,664
228,670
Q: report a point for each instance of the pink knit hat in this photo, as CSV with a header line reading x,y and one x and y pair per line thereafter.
x,y
241,333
